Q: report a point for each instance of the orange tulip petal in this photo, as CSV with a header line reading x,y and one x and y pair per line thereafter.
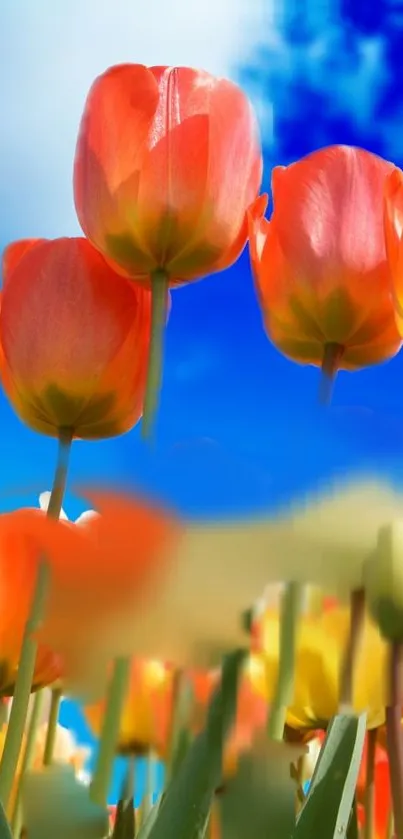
x,y
320,263
117,119
74,339
393,223
105,572
167,161
13,254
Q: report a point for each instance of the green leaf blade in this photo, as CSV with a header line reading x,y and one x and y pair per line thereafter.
x,y
328,806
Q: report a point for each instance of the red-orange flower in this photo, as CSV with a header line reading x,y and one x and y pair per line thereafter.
x,y
382,796
102,575
393,222
168,160
74,339
320,263
16,553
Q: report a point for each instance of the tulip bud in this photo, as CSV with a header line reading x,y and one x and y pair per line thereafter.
x,y
383,581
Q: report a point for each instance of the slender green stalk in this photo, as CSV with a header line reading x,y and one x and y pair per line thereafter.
x,y
182,702
357,619
159,296
369,800
390,828
26,666
28,757
284,693
394,734
110,732
147,802
125,819
332,356
52,726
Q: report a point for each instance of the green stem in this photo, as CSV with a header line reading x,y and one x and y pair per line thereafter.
x,y
332,355
357,620
390,828
182,701
147,803
27,760
125,820
110,731
26,666
369,799
284,693
52,727
394,734
159,296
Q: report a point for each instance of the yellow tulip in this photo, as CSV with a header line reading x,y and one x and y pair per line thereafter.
x,y
320,647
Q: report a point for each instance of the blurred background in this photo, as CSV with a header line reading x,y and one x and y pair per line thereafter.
x,y
239,429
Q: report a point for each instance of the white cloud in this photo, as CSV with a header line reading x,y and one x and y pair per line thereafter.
x,y
50,55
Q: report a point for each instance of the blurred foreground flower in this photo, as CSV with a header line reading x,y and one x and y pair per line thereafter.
x,y
102,573
74,339
182,600
320,263
219,567
168,160
66,752
321,643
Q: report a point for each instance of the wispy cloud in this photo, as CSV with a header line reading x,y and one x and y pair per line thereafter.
x,y
53,53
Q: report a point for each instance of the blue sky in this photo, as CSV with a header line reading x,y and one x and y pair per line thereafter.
x,y
239,429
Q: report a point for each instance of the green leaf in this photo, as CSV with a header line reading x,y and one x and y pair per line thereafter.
x,y
55,804
353,830
327,809
148,824
5,832
259,801
125,820
185,806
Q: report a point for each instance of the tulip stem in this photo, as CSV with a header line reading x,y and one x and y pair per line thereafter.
x,y
284,693
332,355
110,732
28,757
357,618
159,295
52,726
147,802
29,648
369,799
394,734
390,828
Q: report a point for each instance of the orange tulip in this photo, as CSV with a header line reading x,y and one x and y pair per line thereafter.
x,y
103,574
393,222
145,720
168,160
74,339
320,263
